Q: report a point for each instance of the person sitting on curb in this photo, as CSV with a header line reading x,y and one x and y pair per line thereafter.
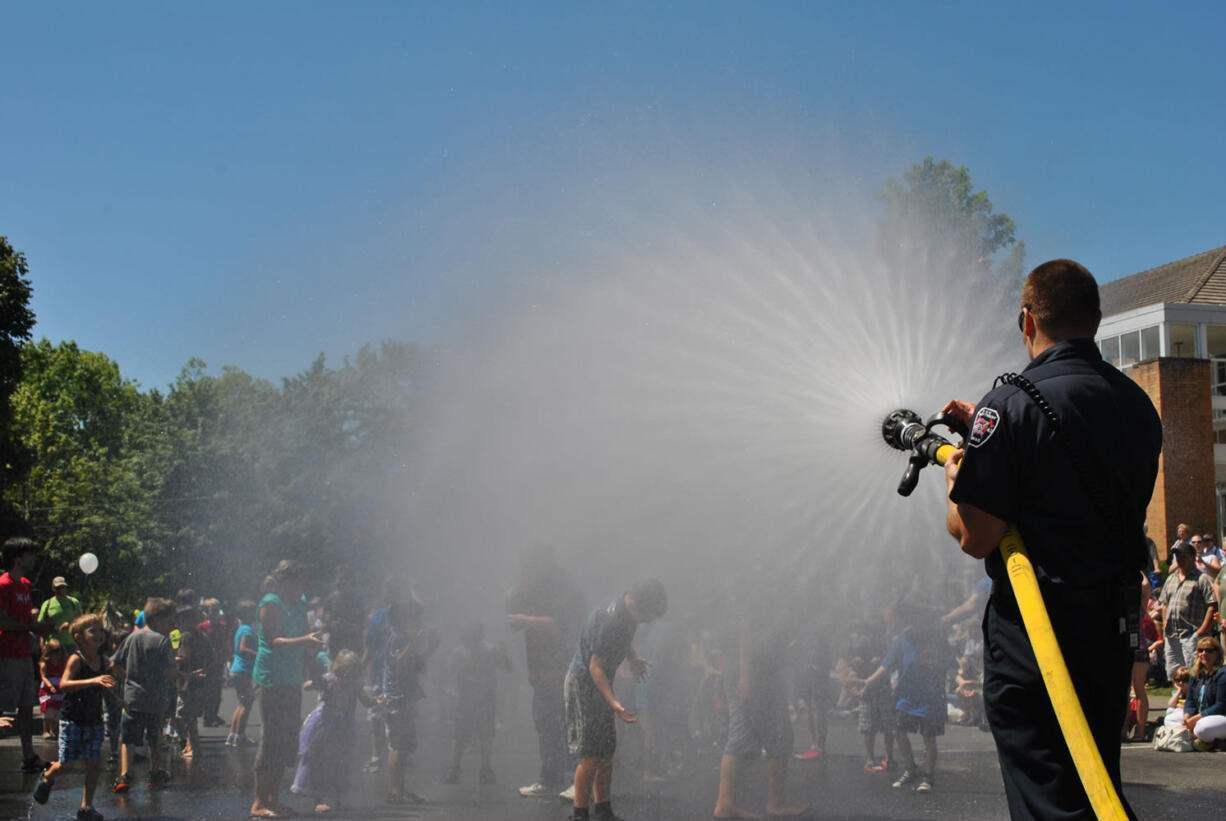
x,y
1205,709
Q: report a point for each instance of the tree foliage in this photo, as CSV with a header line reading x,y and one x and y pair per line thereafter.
x,y
16,322
85,490
935,208
210,484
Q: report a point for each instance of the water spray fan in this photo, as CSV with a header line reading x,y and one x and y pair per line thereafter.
x,y
903,430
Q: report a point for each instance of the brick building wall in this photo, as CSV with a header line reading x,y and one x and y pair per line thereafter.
x,y
1184,491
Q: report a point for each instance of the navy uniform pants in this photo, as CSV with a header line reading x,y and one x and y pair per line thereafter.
x,y
1040,780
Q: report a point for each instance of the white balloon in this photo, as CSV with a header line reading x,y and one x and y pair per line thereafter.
x,y
88,563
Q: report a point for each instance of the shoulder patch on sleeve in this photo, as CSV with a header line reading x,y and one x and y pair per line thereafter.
x,y
985,424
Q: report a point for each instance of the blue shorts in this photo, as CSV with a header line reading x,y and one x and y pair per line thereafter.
x,y
140,727
80,741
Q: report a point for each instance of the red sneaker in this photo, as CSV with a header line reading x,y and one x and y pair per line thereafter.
x,y
876,767
810,754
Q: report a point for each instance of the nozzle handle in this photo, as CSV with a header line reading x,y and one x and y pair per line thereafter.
x,y
910,477
950,421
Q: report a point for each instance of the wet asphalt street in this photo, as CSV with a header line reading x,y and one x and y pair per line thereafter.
x,y
217,785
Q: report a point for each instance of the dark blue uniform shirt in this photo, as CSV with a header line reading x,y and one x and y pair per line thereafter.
x,y
1015,469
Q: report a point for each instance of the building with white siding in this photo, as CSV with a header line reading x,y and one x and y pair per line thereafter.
x,y
1166,327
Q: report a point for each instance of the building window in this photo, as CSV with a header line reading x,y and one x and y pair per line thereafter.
x,y
1130,348
1111,350
1221,508
1183,341
1151,345
1218,371
1216,337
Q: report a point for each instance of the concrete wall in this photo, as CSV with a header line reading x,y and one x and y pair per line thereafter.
x,y
1184,491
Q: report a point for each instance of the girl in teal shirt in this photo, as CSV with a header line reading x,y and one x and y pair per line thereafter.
x,y
284,649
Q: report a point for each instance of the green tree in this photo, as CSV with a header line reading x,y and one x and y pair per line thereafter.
x,y
378,389
345,436
254,474
935,207
88,488
212,483
215,501
16,322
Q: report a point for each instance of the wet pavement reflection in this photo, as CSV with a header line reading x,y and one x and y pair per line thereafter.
x,y
217,784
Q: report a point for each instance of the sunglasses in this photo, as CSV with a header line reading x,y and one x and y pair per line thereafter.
x,y
1021,320
1206,650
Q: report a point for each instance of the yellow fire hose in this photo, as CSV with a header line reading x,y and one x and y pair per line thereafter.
x,y
1089,763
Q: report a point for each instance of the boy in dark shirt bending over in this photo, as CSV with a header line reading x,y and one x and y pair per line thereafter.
x,y
590,703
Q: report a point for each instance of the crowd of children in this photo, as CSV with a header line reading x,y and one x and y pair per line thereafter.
x,y
722,680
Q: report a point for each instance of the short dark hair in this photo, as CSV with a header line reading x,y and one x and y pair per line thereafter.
x,y
157,608
15,547
245,610
1063,298
650,598
186,618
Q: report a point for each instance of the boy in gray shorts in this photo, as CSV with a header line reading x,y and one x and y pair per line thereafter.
x,y
146,663
590,704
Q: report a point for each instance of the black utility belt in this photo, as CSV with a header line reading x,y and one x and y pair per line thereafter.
x,y
1062,592
1121,599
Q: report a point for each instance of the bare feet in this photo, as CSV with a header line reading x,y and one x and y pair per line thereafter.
x,y
786,811
733,812
321,808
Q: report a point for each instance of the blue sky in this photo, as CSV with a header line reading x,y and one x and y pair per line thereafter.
x,y
257,183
